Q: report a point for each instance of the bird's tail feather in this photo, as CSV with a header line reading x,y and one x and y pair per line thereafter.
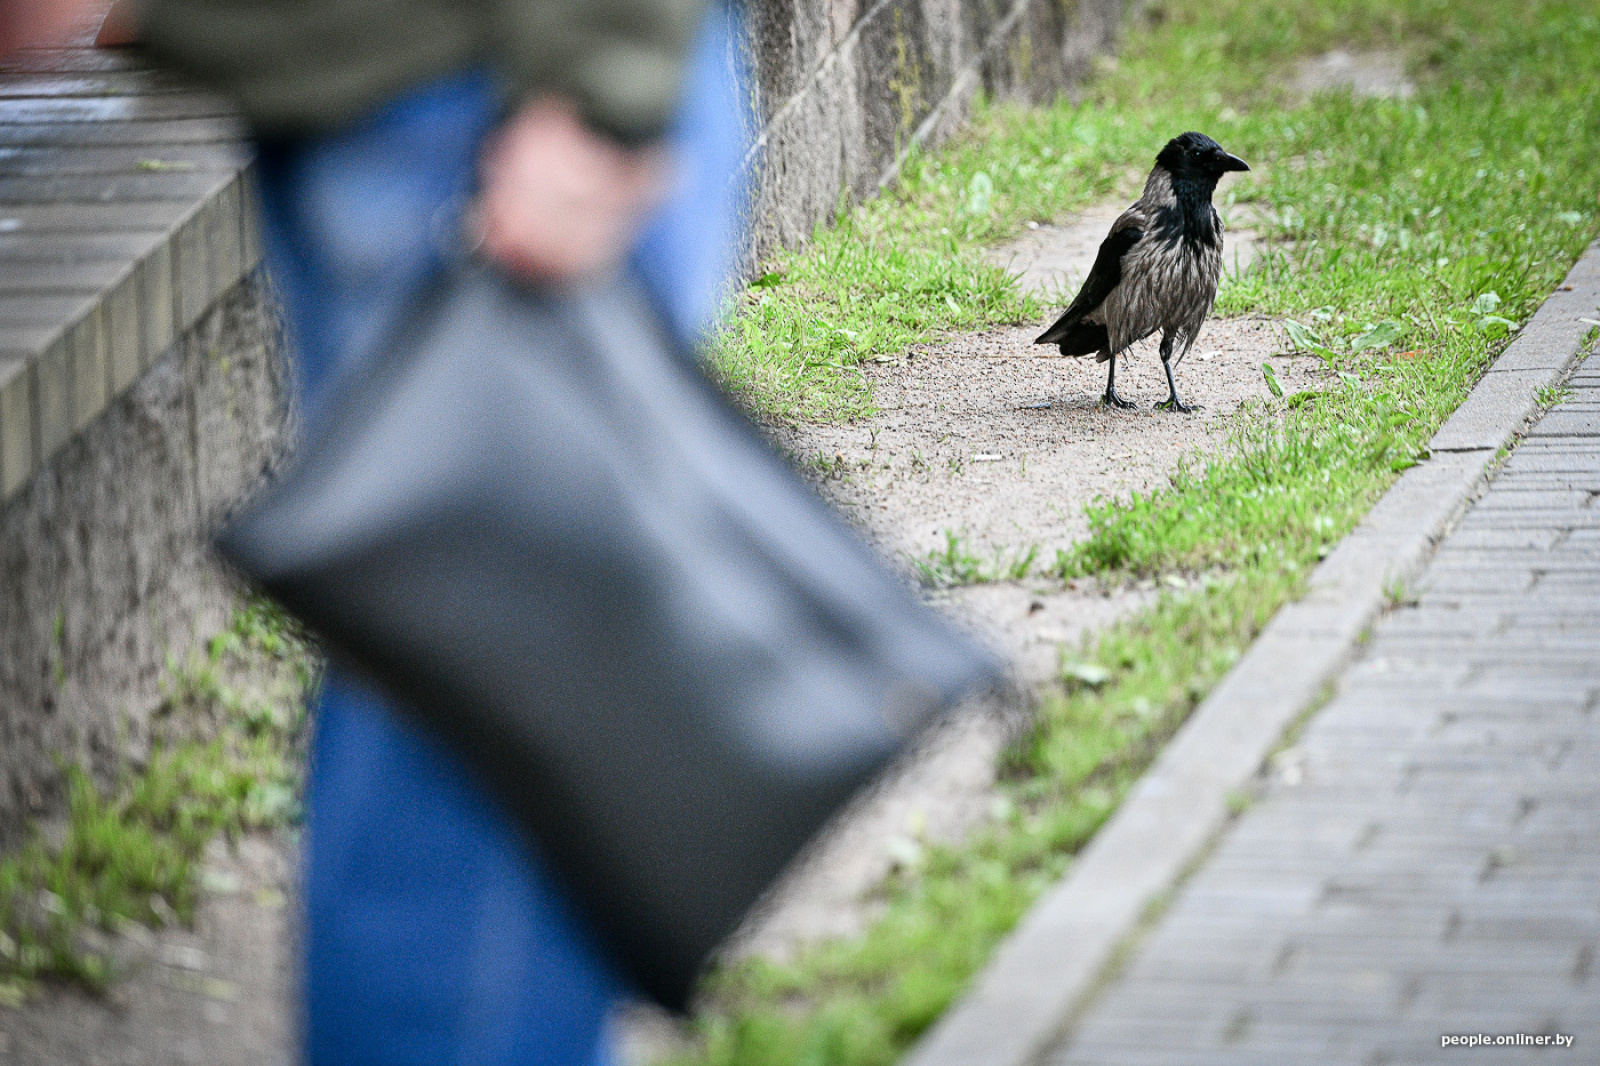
x,y
1077,338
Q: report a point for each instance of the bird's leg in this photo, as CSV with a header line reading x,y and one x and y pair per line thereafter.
x,y
1111,399
1171,403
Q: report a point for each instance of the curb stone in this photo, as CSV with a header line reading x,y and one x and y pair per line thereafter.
x,y
1047,970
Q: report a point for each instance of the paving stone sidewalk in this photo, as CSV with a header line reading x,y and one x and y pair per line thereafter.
x,y
1425,859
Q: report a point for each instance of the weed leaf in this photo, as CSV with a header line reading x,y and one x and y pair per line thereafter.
x,y
1303,338
1272,380
1086,673
1495,326
1380,336
980,193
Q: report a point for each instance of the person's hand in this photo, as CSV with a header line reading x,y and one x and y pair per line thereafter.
x,y
559,201
41,23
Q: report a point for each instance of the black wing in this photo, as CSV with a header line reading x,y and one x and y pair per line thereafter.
x,y
1070,331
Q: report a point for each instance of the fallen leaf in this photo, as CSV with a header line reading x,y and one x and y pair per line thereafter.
x,y
1380,336
1089,673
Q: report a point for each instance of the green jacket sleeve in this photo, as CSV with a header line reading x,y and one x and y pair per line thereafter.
x,y
304,65
620,60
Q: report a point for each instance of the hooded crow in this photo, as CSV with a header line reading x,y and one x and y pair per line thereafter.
x,y
1158,267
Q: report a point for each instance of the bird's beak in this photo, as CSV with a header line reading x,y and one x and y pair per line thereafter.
x,y
1233,162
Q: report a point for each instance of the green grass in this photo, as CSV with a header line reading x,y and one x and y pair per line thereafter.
x,y
957,564
230,761
1407,240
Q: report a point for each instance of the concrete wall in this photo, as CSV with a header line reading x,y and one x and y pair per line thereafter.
x,y
843,87
102,562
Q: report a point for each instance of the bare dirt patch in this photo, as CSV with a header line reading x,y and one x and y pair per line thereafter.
x,y
1003,442
214,995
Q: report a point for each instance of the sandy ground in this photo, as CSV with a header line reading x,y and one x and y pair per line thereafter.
x,y
214,995
1003,442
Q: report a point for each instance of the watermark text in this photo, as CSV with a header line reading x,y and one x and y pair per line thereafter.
x,y
1506,1040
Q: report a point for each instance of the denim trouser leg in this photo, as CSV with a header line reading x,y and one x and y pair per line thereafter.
x,y
434,934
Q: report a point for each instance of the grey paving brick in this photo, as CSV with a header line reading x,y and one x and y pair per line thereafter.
x,y
1563,423
1481,537
1426,857
1515,498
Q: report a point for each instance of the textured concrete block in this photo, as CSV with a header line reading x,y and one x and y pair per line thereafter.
x,y
16,424
1496,409
237,387
249,222
123,331
52,412
174,131
131,110
158,327
103,545
89,367
206,254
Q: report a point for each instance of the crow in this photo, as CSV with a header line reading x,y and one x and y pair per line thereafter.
x,y
1157,269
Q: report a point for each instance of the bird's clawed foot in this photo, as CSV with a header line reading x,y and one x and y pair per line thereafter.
x,y
1111,399
1172,403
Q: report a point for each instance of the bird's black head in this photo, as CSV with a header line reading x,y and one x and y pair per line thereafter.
x,y
1194,155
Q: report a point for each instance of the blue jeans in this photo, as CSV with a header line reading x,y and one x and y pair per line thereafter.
x,y
434,932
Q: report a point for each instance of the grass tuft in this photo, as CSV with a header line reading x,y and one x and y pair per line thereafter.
x,y
129,854
957,564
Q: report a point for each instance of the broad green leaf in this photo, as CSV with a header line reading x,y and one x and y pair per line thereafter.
x,y
1303,338
1272,380
1380,336
1090,674
980,193
1486,303
1495,326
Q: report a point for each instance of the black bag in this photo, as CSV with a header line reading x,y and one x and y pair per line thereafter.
x,y
534,522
